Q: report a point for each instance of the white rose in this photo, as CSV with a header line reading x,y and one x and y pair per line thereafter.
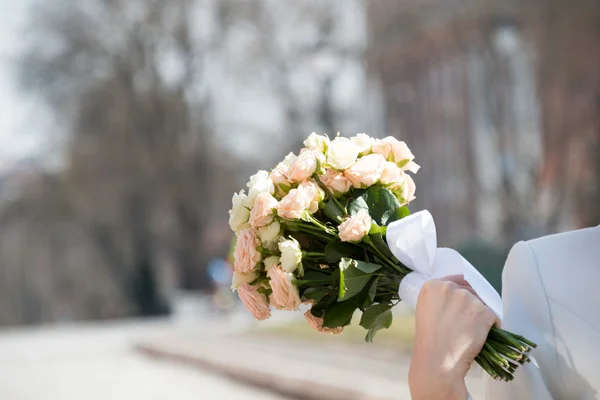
x,y
269,235
291,255
342,153
270,262
289,159
239,213
318,142
240,278
260,183
363,142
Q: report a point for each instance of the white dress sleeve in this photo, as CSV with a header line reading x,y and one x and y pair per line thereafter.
x,y
526,312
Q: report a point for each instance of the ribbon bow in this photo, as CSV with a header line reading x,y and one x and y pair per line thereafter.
x,y
413,241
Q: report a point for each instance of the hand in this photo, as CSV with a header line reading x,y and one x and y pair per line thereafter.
x,y
452,324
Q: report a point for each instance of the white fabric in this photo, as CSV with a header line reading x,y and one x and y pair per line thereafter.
x,y
551,295
413,241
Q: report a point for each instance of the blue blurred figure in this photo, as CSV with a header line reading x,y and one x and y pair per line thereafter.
x,y
220,272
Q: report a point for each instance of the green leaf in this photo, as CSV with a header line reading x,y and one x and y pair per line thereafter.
x,y
358,204
335,251
378,201
332,211
381,202
368,295
352,279
340,313
314,275
375,318
315,294
373,289
367,268
377,240
398,215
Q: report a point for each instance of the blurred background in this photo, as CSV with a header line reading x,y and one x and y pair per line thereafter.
x,y
126,125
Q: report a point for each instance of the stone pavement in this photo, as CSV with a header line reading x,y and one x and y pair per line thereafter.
x,y
98,362
298,369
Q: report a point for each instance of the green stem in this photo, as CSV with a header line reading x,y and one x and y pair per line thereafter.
x,y
306,254
308,229
311,282
382,256
317,223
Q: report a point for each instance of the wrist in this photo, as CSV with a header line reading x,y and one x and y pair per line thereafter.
x,y
429,378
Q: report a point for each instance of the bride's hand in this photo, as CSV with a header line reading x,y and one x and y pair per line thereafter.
x,y
452,325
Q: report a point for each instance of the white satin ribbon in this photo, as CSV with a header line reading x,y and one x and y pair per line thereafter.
x,y
413,241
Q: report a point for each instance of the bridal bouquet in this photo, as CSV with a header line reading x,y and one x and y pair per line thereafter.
x,y
330,228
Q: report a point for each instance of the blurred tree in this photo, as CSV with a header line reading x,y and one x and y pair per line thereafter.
x,y
499,103
123,76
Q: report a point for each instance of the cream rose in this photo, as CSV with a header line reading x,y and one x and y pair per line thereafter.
x,y
239,279
318,142
285,294
270,262
260,183
304,166
317,324
366,171
239,214
291,254
363,142
246,254
254,301
269,235
342,153
296,202
355,228
262,213
336,182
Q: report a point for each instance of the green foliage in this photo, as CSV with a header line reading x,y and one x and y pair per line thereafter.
x,y
335,251
375,318
340,313
378,201
398,214
332,211
354,276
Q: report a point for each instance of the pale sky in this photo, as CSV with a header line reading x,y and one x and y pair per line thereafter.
x,y
22,119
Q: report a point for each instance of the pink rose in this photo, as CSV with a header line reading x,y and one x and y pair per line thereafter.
x,y
336,182
296,202
285,294
246,255
304,166
280,182
410,188
254,301
393,150
392,176
317,324
310,187
355,228
411,166
366,171
262,212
